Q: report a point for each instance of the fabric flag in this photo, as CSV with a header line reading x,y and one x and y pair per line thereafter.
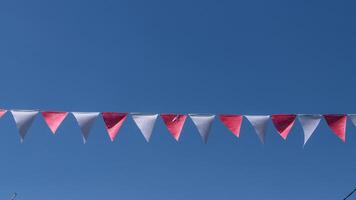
x,y
23,120
2,112
353,118
259,123
85,121
283,123
113,122
233,123
203,123
337,123
174,123
145,122
54,119
309,124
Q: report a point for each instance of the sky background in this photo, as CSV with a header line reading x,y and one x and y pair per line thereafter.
x,y
188,56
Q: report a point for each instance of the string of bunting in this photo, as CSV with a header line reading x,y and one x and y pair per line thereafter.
x,y
175,122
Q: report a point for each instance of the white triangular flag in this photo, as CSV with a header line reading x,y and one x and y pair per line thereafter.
x,y
145,122
85,121
353,118
203,123
259,122
23,120
309,124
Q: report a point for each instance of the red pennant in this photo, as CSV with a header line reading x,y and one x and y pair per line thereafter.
x,y
2,112
283,123
54,119
337,124
174,123
233,123
113,122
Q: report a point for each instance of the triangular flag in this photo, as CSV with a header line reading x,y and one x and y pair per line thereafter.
x,y
85,121
23,120
309,124
145,122
283,123
259,123
54,119
203,124
233,123
113,122
174,123
337,123
2,112
353,118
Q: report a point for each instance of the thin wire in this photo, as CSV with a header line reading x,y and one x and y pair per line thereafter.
x,y
13,196
350,194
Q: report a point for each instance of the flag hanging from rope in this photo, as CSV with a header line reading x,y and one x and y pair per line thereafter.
x,y
309,123
23,120
174,123
85,121
259,123
54,119
146,123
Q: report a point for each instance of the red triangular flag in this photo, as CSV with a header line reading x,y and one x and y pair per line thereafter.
x,y
2,112
283,123
233,123
113,122
337,124
174,123
54,119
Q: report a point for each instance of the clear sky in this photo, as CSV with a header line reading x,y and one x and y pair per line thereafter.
x,y
244,57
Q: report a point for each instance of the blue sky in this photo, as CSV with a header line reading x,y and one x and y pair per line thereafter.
x,y
249,57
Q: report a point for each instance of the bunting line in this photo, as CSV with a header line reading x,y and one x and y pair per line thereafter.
x,y
113,121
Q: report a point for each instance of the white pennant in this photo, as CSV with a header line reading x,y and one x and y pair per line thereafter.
x,y
259,122
23,120
353,118
309,124
85,121
203,124
145,122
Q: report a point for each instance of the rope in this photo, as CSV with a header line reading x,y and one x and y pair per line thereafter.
x,y
350,194
13,196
